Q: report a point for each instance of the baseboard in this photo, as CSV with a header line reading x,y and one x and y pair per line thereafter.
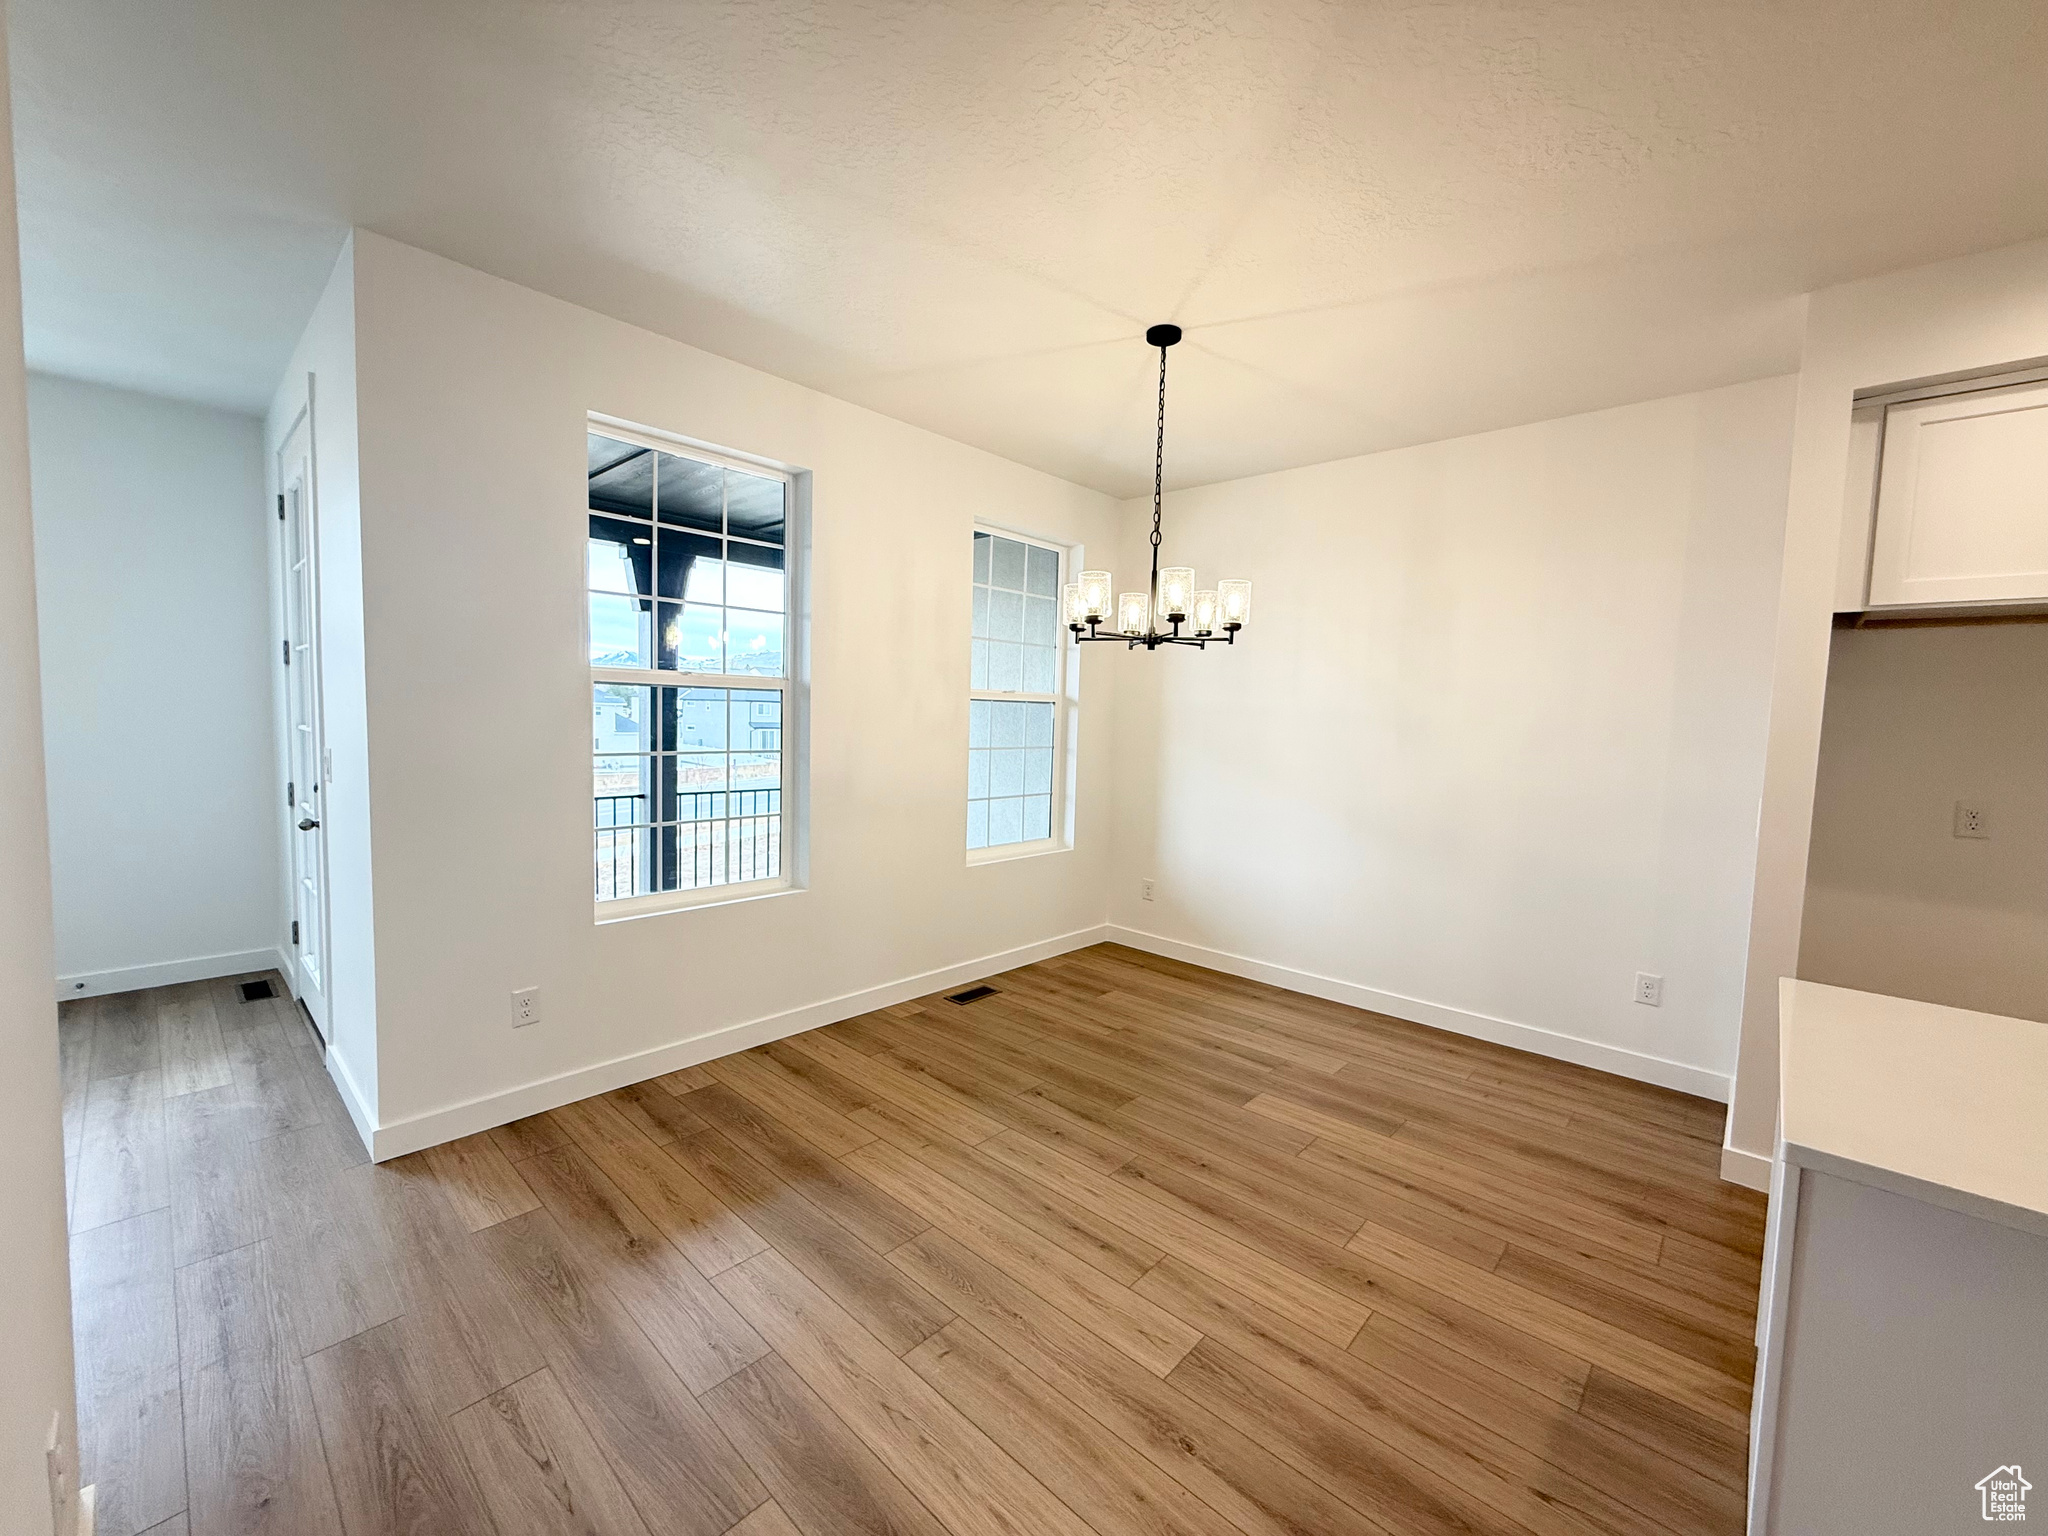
x,y
1752,1170
480,1114
354,1100
167,973
1522,1037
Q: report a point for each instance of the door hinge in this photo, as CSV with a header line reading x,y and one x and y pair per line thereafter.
x,y
295,930
291,794
280,506
287,652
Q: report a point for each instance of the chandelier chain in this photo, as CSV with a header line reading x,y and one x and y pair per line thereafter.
x,y
1159,460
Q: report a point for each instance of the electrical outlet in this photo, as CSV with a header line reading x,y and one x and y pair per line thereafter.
x,y
1649,990
525,1007
1971,821
1145,890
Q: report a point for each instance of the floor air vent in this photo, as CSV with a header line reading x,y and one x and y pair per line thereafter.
x,y
256,991
971,995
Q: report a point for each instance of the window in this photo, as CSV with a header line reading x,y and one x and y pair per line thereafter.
x,y
1016,704
688,587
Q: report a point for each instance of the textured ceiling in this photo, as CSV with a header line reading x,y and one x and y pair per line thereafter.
x,y
1380,223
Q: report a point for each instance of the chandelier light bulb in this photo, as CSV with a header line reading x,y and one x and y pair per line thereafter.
x,y
1235,599
1131,612
1095,589
1176,592
1204,613
1074,606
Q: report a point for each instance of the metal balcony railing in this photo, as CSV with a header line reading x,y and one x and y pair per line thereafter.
x,y
718,837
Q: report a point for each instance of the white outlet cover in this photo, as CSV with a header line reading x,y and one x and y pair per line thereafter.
x,y
525,1007
1970,820
1649,990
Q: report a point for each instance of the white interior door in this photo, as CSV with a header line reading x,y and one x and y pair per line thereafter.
x,y
305,744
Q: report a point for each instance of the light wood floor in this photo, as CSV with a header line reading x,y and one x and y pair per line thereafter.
x,y
1129,1247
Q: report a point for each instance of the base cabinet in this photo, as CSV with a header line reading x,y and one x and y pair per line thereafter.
x,y
1903,1378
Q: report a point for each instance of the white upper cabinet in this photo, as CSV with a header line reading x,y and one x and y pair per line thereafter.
x,y
1962,500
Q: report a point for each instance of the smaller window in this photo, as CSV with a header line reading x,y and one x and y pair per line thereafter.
x,y
1016,704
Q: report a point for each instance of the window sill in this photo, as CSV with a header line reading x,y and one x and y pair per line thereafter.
x,y
655,905
1006,852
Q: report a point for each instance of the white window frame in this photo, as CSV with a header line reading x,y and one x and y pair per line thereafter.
x,y
657,902
1064,699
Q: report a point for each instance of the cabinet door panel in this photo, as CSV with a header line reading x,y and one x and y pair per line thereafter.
x,y
1962,501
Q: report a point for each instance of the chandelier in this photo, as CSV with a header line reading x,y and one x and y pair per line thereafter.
x,y
1154,618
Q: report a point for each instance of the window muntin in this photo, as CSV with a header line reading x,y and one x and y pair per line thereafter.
x,y
687,582
1015,706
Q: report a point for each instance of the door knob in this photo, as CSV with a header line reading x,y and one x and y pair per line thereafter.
x,y
307,823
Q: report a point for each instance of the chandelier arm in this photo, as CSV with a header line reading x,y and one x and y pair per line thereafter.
x,y
1152,641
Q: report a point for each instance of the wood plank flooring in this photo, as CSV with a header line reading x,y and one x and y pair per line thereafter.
x,y
1129,1247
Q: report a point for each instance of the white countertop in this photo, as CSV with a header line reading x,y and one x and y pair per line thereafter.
x,y
1939,1103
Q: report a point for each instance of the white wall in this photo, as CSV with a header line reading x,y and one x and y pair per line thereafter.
x,y
1493,741
1976,313
322,377
154,606
1917,719
472,396
35,1343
